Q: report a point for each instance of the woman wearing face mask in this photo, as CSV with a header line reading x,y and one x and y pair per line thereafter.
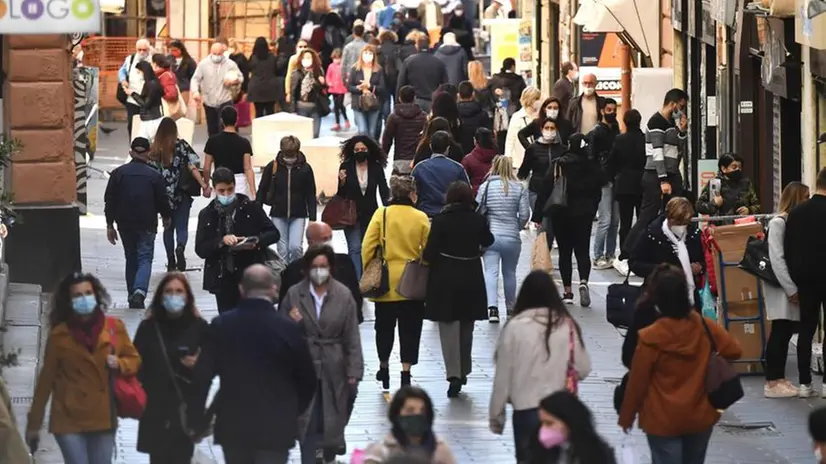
x,y
149,99
411,415
169,342
732,193
667,378
567,434
308,87
551,110
518,121
360,174
232,232
546,149
405,231
183,65
84,349
366,85
327,313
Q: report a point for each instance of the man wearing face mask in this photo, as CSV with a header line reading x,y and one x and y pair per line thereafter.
x,y
319,233
232,232
131,81
563,89
584,110
213,84
601,139
267,376
730,192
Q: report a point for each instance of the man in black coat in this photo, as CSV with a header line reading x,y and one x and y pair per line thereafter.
x,y
319,233
424,72
805,247
472,115
563,88
268,378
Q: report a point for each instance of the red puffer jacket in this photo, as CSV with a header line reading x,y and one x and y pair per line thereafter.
x,y
169,83
477,164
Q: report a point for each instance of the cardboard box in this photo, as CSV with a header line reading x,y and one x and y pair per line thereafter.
x,y
749,334
732,239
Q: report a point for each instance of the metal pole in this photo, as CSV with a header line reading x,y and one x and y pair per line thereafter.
x,y
625,81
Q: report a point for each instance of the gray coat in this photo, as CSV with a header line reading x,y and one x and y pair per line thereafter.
x,y
263,85
455,59
335,344
776,299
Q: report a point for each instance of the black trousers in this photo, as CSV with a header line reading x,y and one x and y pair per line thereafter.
x,y
213,118
653,203
812,302
179,454
264,108
131,110
628,206
777,348
338,107
248,456
410,315
228,295
573,234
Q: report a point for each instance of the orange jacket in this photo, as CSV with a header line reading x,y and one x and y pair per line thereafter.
x,y
78,381
666,386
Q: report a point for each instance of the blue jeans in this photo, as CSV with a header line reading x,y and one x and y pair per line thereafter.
x,y
354,236
386,109
525,426
87,448
313,114
292,237
179,227
138,249
367,122
605,239
507,252
683,449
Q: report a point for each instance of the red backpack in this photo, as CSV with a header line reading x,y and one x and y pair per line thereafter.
x,y
130,398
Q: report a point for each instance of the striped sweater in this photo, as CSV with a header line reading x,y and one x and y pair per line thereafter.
x,y
663,146
507,213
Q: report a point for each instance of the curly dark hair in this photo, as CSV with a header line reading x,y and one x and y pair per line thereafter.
x,y
61,304
156,308
374,151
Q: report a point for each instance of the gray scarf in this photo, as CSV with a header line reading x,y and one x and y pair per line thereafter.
x,y
226,226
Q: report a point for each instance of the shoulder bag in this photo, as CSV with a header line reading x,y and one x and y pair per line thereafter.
x,y
756,260
559,194
120,94
482,208
174,109
572,378
621,302
722,382
413,282
129,396
174,377
375,281
340,213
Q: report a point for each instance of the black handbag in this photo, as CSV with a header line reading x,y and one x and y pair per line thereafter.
x,y
120,94
559,194
756,260
322,103
188,184
621,302
722,382
482,208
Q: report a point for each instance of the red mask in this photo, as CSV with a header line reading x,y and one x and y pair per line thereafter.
x,y
175,53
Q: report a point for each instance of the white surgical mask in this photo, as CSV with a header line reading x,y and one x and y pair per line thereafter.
x,y
459,13
548,135
678,231
319,275
142,56
217,59
589,91
552,113
307,62
367,57
575,76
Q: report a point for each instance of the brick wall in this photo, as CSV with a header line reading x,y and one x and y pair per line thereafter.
x,y
38,112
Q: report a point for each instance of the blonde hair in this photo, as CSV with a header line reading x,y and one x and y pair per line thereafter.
x,y
476,74
360,64
794,194
414,36
530,96
503,167
378,5
320,6
679,209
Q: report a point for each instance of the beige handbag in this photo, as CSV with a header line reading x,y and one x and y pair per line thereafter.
x,y
176,109
541,254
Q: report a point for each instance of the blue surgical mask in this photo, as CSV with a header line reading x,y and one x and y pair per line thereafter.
x,y
84,305
226,199
174,303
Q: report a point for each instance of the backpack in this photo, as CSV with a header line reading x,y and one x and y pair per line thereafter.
x,y
389,62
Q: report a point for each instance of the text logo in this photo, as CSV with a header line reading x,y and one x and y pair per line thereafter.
x,y
33,10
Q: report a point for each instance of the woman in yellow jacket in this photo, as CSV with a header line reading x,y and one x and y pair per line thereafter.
x,y
12,448
83,351
401,230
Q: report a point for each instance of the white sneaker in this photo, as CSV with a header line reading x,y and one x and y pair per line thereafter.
x,y
806,391
584,295
779,390
602,264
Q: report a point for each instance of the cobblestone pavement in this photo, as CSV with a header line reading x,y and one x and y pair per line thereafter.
x,y
755,430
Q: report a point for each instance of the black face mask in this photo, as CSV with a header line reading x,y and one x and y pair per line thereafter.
x,y
360,156
611,118
735,175
416,425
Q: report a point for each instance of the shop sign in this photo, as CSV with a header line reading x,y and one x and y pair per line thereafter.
x,y
810,23
746,107
609,84
49,16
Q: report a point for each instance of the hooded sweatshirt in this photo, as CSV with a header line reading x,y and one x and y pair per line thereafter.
x,y
667,377
404,128
477,164
455,59
472,116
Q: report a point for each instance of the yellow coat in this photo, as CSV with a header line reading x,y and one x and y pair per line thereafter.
x,y
406,235
13,449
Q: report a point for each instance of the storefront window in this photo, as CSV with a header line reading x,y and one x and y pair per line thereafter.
x,y
820,122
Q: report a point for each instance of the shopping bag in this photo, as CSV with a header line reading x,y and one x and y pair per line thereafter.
x,y
628,453
357,457
541,255
707,301
201,457
244,115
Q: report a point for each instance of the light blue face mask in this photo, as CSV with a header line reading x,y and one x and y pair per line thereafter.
x,y
84,305
226,200
174,304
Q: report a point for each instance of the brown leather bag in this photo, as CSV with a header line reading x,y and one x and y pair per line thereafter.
x,y
413,283
340,213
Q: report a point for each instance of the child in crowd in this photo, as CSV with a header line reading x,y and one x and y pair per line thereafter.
x,y
337,90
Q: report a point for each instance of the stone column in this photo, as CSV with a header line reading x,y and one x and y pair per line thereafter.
x,y
38,111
